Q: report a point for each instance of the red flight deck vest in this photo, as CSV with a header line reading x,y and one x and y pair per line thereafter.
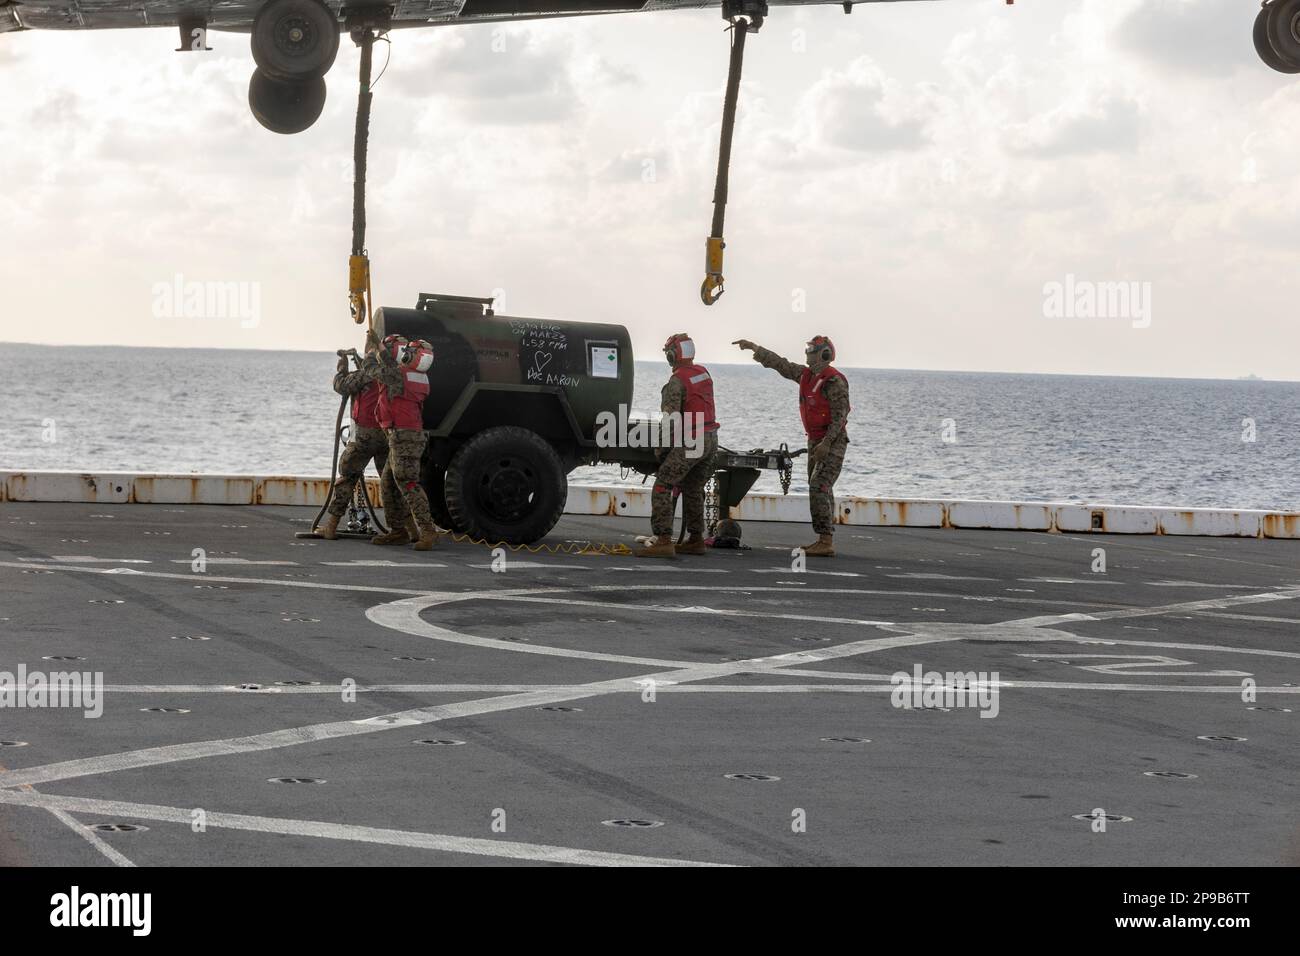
x,y
699,398
814,409
405,410
365,405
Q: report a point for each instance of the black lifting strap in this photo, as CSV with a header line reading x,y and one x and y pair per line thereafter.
x,y
711,289
360,144
359,263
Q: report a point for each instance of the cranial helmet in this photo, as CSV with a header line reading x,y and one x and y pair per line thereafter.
x,y
821,347
413,354
679,348
393,344
418,356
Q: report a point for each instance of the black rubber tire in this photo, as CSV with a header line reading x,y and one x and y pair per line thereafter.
x,y
435,485
295,39
1277,35
285,107
506,484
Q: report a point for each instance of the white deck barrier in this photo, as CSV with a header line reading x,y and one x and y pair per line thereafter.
x,y
634,502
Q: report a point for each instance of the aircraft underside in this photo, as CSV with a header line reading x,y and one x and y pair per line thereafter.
x,y
294,42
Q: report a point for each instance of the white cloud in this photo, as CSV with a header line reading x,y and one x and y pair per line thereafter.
x,y
920,180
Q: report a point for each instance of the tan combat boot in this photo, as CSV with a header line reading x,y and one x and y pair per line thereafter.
x,y
395,536
329,530
660,547
426,539
695,544
823,547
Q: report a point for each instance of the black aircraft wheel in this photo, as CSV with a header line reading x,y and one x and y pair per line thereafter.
x,y
1277,35
285,107
435,486
295,39
506,484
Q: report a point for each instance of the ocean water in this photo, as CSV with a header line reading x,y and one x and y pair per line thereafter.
x,y
1019,437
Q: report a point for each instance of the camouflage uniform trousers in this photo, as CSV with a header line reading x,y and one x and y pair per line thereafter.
x,y
821,490
403,495
366,444
689,475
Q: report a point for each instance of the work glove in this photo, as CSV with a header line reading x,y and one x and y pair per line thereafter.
x,y
745,345
342,365
819,452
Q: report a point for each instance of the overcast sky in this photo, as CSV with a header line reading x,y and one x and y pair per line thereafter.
x,y
913,175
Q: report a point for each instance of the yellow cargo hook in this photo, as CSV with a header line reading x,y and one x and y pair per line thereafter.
x,y
711,289
359,289
743,16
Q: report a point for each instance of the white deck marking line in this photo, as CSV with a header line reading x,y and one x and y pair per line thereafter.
x,y
923,576
1249,617
293,736
690,609
280,582
837,675
881,685
1067,581
1210,604
974,685
833,574
539,852
404,616
90,836
1201,584
533,565
174,753
660,569
380,563
373,589
1214,648
84,559
329,689
240,561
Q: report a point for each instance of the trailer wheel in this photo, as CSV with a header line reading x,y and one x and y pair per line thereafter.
x,y
435,487
506,484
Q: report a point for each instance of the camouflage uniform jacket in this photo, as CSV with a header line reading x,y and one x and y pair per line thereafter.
x,y
836,390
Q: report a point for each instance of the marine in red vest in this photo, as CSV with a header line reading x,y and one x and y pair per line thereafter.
x,y
824,408
366,440
404,374
690,443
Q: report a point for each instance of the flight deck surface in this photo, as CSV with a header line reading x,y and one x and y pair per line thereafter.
x,y
424,708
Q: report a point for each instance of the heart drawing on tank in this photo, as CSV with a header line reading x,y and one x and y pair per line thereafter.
x,y
541,360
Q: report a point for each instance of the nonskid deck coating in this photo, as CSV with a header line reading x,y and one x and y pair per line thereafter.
x,y
742,705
